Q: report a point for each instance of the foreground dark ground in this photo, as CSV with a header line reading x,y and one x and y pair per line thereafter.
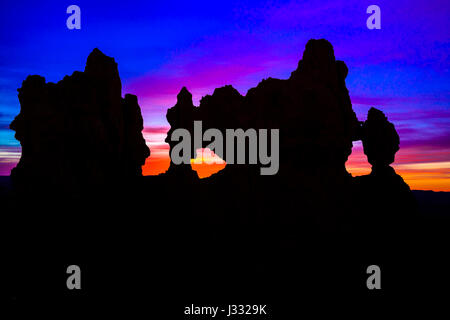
x,y
158,250
301,239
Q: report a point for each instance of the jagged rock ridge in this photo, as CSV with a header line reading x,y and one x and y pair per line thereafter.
x,y
313,111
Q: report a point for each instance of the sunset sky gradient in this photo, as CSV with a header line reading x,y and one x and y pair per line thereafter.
x,y
161,46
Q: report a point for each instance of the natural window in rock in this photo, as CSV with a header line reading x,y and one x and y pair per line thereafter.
x,y
207,163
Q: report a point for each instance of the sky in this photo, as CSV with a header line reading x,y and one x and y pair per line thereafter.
x,y
161,46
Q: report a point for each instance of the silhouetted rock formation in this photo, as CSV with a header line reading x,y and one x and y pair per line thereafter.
x,y
310,228
182,115
386,198
381,143
317,125
312,109
80,132
380,139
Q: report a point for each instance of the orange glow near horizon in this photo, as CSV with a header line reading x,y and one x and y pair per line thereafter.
x,y
421,171
420,176
155,166
207,163
411,164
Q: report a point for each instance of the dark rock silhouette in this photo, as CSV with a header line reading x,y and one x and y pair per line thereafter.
x,y
386,198
182,115
312,109
380,139
312,227
79,132
317,125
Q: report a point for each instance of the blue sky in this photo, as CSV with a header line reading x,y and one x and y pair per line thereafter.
x,y
161,46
